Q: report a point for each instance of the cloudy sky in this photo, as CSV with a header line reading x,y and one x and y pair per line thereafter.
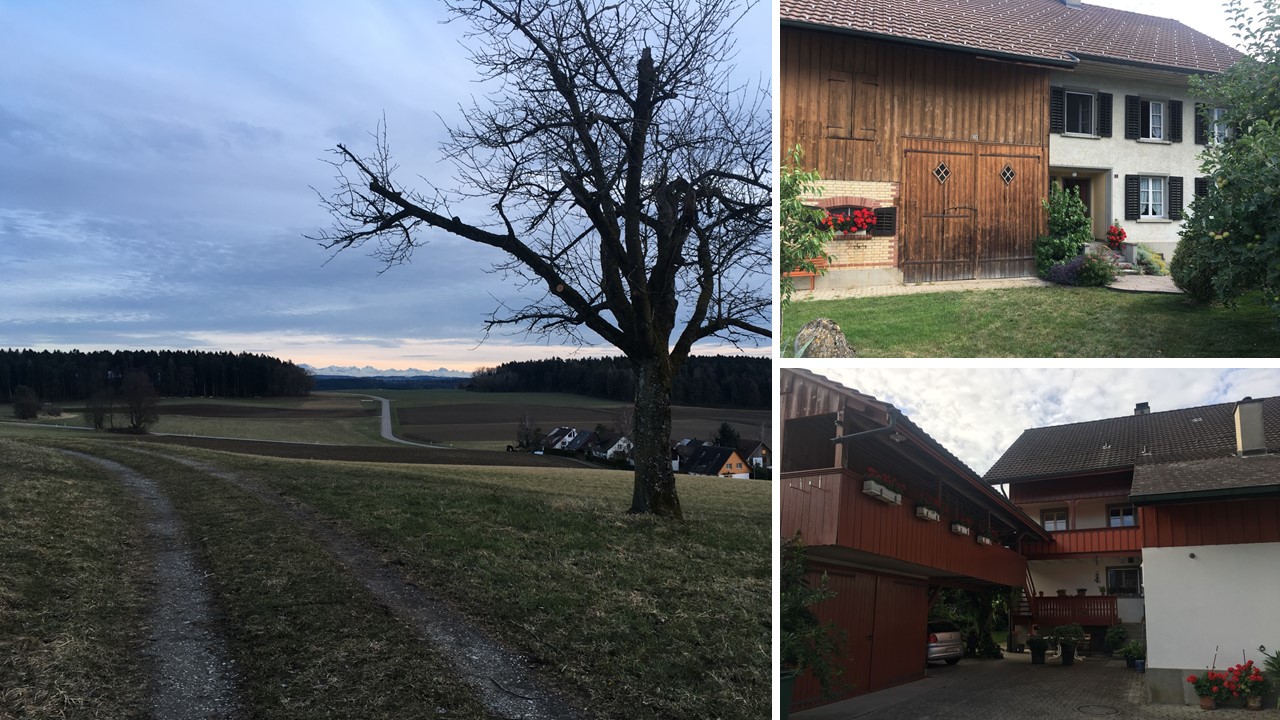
x,y
155,164
978,413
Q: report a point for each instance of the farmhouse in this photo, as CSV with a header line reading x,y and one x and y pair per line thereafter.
x,y
1156,516
715,460
1151,520
891,517
949,118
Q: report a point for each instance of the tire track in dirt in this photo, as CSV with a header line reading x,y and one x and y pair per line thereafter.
x,y
191,676
503,679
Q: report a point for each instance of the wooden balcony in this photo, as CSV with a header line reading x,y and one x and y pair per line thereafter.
x,y
1086,543
829,508
1048,612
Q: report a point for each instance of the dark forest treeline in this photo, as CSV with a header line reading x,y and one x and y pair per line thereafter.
x,y
58,376
706,381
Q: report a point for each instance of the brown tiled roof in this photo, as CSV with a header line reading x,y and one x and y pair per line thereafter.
x,y
1206,476
1039,30
1198,433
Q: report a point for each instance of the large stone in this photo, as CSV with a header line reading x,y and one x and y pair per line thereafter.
x,y
822,338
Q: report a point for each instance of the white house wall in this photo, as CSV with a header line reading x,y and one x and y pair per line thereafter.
x,y
1223,599
1120,157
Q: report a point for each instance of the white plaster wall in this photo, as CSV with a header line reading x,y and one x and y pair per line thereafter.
x,y
1225,597
1120,157
1068,574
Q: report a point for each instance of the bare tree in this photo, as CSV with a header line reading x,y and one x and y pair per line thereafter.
x,y
628,181
528,434
140,400
100,408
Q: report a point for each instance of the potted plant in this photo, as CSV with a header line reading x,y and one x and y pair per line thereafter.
x,y
1081,591
984,538
926,510
882,487
1062,592
1038,646
1132,652
808,644
1247,681
1069,638
960,527
1211,688
1115,637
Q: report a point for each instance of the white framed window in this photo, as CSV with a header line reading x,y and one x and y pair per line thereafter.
x,y
1054,520
1151,197
1079,113
1218,130
1152,118
1125,580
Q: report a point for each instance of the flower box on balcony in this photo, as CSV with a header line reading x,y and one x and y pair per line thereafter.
x,y
927,513
881,492
984,540
959,528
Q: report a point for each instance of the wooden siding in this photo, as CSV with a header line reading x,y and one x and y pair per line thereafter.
x,y
895,92
828,508
1086,543
884,619
1211,523
1076,488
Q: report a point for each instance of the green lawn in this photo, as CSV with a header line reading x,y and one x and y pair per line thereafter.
x,y
1055,321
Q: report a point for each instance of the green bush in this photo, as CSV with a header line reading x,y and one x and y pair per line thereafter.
x,y
1150,261
1115,637
1097,270
801,240
26,404
1193,267
1069,229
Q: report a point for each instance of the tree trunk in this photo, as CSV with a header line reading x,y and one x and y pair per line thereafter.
x,y
655,481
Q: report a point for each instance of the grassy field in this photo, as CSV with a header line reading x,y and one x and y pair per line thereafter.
x,y
636,617
1053,321
71,593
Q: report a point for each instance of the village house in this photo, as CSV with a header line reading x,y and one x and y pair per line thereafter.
x,y
1157,516
715,460
949,118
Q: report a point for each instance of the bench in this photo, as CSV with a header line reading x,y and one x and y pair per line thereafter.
x,y
819,265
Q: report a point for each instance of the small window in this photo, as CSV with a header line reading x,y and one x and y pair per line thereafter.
x,y
1079,115
1121,516
1151,200
1125,580
1054,520
1219,132
1152,118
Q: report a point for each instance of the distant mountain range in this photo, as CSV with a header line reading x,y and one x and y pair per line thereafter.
x,y
372,372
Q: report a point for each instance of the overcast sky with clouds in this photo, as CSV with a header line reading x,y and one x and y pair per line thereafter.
x,y
155,164
978,413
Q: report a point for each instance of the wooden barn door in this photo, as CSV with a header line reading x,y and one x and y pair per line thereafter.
x,y
939,228
901,631
970,210
1010,186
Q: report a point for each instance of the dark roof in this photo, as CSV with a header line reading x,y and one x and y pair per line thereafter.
x,y
580,441
1046,31
1198,433
556,435
1215,477
708,460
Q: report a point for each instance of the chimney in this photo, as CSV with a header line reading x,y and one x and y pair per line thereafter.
x,y
1142,409
1071,3
1251,439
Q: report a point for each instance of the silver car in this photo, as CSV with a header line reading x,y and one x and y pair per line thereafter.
x,y
945,642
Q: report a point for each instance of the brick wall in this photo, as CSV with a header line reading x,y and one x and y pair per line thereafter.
x,y
854,251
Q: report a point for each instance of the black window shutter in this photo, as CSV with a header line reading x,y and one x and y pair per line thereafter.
x,y
1201,137
1104,114
886,222
1057,110
1175,120
1130,197
1202,187
1132,109
1175,198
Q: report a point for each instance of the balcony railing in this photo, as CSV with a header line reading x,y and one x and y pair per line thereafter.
x,y
1086,610
1083,543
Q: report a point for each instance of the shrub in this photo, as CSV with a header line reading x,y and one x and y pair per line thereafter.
x,y
1149,261
1133,650
801,236
807,643
1097,270
1193,267
1066,273
1115,637
26,404
1051,251
1069,229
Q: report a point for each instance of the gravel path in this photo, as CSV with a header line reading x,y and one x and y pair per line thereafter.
x,y
503,679
191,675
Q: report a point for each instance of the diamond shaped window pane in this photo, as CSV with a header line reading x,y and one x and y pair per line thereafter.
x,y
1007,174
942,172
